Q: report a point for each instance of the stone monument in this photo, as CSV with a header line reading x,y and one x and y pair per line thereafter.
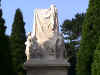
x,y
45,45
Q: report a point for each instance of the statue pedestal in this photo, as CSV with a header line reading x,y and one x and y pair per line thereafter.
x,y
46,67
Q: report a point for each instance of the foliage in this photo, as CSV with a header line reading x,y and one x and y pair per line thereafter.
x,y
96,63
4,49
72,33
90,38
73,27
17,42
96,60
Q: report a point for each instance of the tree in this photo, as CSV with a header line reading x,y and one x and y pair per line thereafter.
x,y
90,38
72,33
73,28
5,61
17,43
96,61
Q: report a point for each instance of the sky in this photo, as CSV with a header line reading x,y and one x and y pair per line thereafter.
x,y
66,10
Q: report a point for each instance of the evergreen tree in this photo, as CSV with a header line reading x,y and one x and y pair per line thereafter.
x,y
90,38
96,61
72,28
17,43
5,61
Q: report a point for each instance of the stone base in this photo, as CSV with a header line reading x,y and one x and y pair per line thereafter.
x,y
46,67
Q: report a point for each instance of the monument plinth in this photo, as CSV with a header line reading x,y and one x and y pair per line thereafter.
x,y
45,45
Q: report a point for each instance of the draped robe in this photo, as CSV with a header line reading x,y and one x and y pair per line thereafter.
x,y
46,23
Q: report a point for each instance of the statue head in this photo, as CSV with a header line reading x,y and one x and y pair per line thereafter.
x,y
52,6
29,33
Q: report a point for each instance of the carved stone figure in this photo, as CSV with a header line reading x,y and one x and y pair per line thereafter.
x,y
45,45
46,23
46,41
28,44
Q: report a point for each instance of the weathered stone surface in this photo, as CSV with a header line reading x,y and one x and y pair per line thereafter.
x,y
45,62
46,42
45,49
46,67
28,44
47,71
46,23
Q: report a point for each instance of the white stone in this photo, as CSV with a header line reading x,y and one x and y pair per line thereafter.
x,y
46,23
45,49
28,44
46,42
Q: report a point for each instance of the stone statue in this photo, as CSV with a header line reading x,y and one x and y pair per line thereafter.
x,y
46,23
28,44
45,45
46,41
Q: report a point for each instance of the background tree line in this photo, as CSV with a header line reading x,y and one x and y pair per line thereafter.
x,y
84,58
72,30
12,48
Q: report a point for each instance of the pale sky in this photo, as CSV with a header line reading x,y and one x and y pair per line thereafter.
x,y
66,10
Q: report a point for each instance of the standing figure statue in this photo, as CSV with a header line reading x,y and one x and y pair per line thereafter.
x,y
28,44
